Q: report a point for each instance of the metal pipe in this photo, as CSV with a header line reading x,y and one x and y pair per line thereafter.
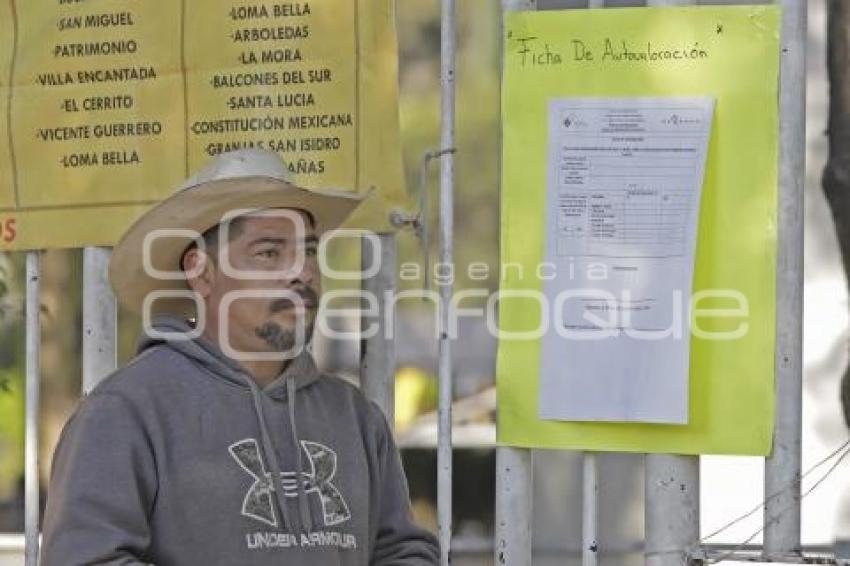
x,y
590,477
782,468
448,34
811,554
518,5
514,499
32,503
514,466
590,511
423,226
671,484
378,360
423,217
672,508
100,318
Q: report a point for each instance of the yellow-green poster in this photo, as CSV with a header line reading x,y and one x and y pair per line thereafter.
x,y
729,54
106,107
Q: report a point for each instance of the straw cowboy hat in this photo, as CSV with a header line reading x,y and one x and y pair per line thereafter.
x,y
246,179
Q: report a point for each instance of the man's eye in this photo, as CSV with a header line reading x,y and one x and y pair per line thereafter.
x,y
267,254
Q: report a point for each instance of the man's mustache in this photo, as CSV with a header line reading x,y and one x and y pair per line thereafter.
x,y
309,299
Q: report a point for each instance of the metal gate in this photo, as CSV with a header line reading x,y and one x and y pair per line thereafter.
x,y
672,514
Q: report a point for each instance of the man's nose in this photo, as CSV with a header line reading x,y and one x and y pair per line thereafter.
x,y
307,273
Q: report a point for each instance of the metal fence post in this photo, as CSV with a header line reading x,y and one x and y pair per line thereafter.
x,y
590,510
32,509
100,315
514,499
590,475
514,466
671,484
782,468
378,361
672,508
448,34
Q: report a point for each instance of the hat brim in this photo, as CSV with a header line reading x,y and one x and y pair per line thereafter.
x,y
198,209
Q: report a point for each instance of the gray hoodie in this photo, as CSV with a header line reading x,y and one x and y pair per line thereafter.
x,y
180,458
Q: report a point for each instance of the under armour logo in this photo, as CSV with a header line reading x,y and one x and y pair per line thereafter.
x,y
258,501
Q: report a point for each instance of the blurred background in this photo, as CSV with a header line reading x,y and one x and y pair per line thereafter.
x,y
731,486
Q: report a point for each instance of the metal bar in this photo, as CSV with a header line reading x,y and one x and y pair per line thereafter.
x,y
448,33
590,477
518,5
423,227
782,468
514,498
590,511
423,217
482,545
810,549
811,554
378,361
100,318
32,511
672,509
670,2
757,557
514,466
13,544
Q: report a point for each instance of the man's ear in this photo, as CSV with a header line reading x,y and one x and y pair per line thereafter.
x,y
199,270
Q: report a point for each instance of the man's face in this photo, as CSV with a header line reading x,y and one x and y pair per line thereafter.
x,y
263,322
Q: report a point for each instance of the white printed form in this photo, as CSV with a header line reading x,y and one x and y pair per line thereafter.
x,y
624,181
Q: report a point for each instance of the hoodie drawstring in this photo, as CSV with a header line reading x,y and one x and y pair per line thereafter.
x,y
304,508
271,457
302,371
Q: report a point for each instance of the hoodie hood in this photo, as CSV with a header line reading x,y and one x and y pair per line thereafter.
x,y
300,372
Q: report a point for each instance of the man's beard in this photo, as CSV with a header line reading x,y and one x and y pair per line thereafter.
x,y
281,339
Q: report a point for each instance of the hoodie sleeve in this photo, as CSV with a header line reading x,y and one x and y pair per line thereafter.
x,y
399,541
102,487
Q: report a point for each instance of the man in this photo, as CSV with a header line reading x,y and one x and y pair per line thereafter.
x,y
221,443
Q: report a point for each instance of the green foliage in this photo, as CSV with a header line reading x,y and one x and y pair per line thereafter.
x,y
11,375
477,130
11,432
477,139
11,321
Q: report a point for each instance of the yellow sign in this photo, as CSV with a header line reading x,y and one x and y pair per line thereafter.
x,y
104,109
729,53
